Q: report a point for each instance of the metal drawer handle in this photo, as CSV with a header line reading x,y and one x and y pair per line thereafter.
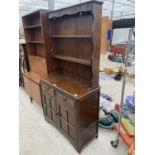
x,y
57,114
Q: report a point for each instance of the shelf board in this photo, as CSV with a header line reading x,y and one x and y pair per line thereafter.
x,y
71,36
37,42
32,26
71,59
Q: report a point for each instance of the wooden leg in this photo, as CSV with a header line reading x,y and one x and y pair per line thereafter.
x,y
96,135
31,99
77,149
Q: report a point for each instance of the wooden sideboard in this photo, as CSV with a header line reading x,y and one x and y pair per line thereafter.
x,y
72,106
70,94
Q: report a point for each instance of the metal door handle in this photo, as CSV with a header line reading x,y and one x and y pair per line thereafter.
x,y
57,114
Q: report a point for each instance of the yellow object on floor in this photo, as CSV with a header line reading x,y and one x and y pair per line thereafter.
x,y
114,70
130,129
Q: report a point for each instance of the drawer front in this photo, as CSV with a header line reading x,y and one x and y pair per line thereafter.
x,y
65,100
47,90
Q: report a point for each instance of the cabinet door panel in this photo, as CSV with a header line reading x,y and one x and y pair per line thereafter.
x,y
47,90
62,112
71,118
63,124
35,92
55,117
71,132
64,101
60,109
67,120
49,113
49,107
27,86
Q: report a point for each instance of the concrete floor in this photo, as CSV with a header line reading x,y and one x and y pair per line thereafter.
x,y
37,137
112,87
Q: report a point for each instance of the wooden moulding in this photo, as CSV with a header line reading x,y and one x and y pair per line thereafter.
x,y
82,7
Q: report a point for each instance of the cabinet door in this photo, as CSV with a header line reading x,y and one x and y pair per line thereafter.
x,y
67,115
35,92
49,107
27,86
32,89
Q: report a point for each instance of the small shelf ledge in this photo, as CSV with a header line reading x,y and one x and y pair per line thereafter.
x,y
32,26
71,36
37,42
71,59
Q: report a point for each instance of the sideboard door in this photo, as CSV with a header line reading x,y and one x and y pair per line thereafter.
x,y
67,115
49,108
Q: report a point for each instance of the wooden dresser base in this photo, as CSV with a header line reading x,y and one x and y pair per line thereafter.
x,y
74,112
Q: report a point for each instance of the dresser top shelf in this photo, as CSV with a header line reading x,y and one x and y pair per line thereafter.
x,y
72,59
67,83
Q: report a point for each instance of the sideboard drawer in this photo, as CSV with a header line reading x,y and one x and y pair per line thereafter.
x,y
64,100
47,90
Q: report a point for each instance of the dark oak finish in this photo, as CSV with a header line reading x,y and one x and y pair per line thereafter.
x,y
70,94
75,40
39,55
71,59
72,106
71,36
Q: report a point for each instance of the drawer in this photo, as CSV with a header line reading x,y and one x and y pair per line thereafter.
x,y
64,100
47,90
60,98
